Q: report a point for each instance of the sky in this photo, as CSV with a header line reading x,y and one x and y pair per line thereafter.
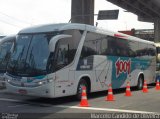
x,y
18,14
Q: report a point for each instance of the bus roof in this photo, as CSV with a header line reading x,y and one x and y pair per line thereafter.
x,y
65,26
9,38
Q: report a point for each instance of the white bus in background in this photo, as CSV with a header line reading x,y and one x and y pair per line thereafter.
x,y
158,61
2,36
56,60
5,48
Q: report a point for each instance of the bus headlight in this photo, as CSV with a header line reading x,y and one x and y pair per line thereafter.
x,y
45,81
41,82
8,80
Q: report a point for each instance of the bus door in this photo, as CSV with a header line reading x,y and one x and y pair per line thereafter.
x,y
63,86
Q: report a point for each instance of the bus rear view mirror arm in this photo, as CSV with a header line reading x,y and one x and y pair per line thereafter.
x,y
54,40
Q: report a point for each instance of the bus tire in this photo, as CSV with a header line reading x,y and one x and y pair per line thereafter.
x,y
140,82
79,88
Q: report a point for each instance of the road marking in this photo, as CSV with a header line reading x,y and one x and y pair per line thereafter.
x,y
76,107
107,109
23,101
18,105
10,100
13,100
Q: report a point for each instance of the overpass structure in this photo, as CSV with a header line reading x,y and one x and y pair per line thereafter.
x,y
82,11
146,10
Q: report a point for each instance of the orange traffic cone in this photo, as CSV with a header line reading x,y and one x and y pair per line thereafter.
x,y
84,102
110,96
128,90
145,89
157,85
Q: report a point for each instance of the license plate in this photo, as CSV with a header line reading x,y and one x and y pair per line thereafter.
x,y
22,91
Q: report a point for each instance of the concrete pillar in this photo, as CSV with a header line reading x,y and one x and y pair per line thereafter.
x,y
82,11
157,30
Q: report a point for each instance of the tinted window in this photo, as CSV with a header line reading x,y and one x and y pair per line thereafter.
x,y
4,55
99,44
104,46
73,43
38,58
158,49
118,47
95,44
142,50
21,47
90,45
66,48
30,55
151,50
133,47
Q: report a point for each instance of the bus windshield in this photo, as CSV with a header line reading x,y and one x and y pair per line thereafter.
x,y
31,55
4,55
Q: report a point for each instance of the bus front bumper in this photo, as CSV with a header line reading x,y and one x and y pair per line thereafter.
x,y
2,81
46,90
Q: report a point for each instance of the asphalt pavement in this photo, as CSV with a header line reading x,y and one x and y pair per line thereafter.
x,y
68,107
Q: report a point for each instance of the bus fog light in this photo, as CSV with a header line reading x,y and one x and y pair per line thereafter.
x,y
49,80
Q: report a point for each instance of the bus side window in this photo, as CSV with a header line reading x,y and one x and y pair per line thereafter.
x,y
104,46
62,54
88,49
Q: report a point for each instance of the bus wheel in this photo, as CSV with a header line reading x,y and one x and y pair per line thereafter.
x,y
79,88
140,83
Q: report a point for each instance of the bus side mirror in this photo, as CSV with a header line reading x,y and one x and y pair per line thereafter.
x,y
54,40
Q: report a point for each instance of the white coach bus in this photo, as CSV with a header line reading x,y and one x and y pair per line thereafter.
x,y
6,44
56,60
